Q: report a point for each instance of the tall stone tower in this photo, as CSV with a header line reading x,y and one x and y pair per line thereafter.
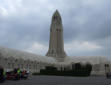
x,y
56,45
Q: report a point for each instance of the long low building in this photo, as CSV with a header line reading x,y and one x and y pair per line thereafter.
x,y
11,58
100,64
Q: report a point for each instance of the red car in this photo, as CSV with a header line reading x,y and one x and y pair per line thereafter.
x,y
12,76
9,75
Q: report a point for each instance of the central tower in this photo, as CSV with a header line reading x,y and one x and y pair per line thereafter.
x,y
56,44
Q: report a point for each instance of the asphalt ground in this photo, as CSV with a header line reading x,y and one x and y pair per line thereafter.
x,y
59,80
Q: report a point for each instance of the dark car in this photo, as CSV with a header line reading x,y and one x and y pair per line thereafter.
x,y
10,75
16,75
2,76
24,74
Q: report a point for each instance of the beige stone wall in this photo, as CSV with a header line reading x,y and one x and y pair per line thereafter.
x,y
56,44
11,63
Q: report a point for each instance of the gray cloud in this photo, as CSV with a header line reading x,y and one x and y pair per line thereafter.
x,y
24,22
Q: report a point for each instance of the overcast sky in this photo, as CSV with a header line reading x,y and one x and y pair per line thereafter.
x,y
25,24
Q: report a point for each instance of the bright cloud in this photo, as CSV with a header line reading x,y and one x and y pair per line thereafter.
x,y
81,47
37,48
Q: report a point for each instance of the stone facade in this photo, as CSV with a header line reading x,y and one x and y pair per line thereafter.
x,y
10,59
56,44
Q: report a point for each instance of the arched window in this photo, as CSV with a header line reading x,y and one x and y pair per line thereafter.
x,y
55,17
18,65
16,60
5,60
12,65
21,66
9,66
29,66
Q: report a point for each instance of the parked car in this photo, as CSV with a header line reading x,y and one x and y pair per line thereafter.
x,y
20,74
16,74
10,75
2,74
24,74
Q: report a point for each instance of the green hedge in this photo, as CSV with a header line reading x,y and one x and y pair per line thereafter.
x,y
35,73
78,71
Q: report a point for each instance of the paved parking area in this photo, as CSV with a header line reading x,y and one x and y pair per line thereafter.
x,y
60,80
